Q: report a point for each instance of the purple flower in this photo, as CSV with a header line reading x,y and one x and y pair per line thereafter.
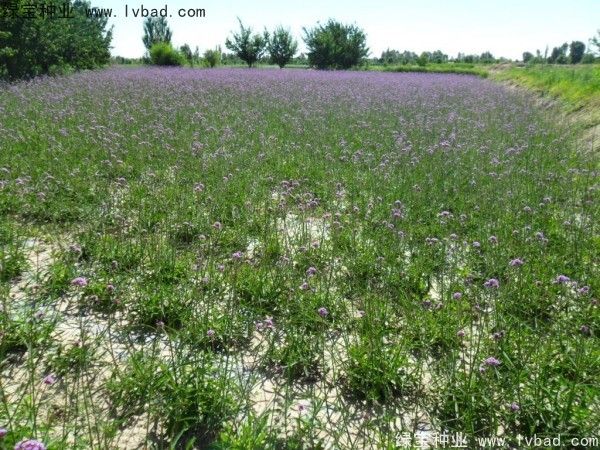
x,y
79,282
49,379
584,330
517,262
584,290
476,244
304,286
493,240
323,311
198,187
217,226
492,283
498,335
514,407
237,256
461,333
3,432
562,279
311,271
30,444
210,333
457,295
492,362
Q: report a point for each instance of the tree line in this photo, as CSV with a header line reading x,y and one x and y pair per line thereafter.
x,y
332,45
573,53
58,36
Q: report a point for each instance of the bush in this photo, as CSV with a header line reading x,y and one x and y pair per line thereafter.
x,y
163,54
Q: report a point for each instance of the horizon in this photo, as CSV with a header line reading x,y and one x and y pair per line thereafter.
x,y
468,26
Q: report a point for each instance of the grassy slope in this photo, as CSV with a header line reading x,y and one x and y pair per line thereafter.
x,y
577,87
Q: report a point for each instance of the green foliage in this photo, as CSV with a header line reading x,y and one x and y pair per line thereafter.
x,y
186,52
163,54
576,51
559,55
213,57
423,60
248,47
156,30
335,45
281,46
595,42
459,68
43,45
527,56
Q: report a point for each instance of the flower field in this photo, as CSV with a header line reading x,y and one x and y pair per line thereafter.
x,y
293,259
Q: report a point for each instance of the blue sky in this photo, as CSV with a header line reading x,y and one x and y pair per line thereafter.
x,y
504,27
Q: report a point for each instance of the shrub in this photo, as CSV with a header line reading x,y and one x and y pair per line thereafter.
x,y
163,54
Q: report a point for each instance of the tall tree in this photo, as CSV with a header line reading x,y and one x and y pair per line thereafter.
x,y
335,45
595,42
54,36
186,51
576,51
281,46
248,47
559,54
156,30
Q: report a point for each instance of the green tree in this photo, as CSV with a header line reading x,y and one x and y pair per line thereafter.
x,y
335,45
186,52
40,45
156,30
487,58
559,55
527,56
595,42
576,51
423,59
281,46
213,57
248,47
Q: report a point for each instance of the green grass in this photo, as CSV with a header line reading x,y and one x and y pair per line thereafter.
x,y
479,70
577,86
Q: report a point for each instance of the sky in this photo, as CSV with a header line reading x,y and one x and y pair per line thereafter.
x,y
504,27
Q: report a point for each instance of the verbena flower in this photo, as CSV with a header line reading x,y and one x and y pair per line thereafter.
x,y
30,444
457,295
49,379
517,262
492,362
492,283
323,312
79,282
562,279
